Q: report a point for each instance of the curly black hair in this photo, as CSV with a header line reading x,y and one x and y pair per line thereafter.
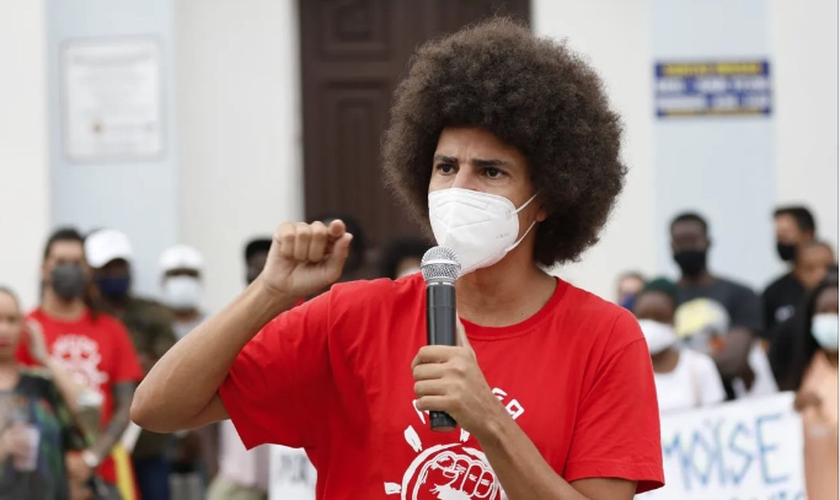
x,y
532,93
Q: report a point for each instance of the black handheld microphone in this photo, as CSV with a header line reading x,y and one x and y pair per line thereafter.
x,y
440,267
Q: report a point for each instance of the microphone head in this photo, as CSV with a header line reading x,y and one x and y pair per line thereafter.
x,y
440,264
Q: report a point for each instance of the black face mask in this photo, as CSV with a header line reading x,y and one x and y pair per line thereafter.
x,y
787,252
691,262
68,281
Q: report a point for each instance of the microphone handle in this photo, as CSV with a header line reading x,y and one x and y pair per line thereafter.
x,y
440,330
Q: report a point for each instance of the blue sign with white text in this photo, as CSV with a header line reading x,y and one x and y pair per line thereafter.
x,y
713,88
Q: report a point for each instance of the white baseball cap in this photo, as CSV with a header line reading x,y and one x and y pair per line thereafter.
x,y
181,257
105,245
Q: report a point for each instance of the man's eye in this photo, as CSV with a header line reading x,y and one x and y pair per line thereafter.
x,y
446,168
493,172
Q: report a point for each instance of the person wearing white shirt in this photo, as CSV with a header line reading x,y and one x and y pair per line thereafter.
x,y
684,378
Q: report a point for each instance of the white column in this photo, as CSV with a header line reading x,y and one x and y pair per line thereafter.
x,y
239,125
24,192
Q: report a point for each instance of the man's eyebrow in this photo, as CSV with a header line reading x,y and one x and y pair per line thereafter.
x,y
481,162
446,159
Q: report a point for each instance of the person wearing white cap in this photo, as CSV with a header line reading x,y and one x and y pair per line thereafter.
x,y
150,324
181,266
109,254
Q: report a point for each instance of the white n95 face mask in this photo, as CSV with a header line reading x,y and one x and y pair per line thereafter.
x,y
659,336
182,292
824,329
480,227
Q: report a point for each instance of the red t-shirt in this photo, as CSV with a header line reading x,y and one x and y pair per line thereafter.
x,y
334,376
97,352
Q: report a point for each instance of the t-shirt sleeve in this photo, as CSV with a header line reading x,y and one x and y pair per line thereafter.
x,y
617,433
746,310
127,366
711,385
280,386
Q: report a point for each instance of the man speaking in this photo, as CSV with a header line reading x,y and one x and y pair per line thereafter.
x,y
505,146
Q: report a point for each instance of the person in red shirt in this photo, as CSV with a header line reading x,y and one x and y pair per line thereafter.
x,y
505,145
91,346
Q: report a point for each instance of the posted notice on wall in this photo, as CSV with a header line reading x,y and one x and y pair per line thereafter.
x,y
112,105
744,450
713,88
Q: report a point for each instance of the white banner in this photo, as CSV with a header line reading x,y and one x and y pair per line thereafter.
x,y
744,450
292,476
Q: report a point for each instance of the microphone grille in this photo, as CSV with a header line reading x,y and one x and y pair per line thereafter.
x,y
440,263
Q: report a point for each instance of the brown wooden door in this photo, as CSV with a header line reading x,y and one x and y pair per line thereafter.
x,y
353,53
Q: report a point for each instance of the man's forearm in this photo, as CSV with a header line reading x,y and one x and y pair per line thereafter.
x,y
522,471
185,380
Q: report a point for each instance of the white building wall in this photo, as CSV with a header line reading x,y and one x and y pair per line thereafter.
x,y
736,170
804,49
237,99
136,197
238,103
24,167
615,38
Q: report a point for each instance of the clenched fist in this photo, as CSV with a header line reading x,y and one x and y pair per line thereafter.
x,y
306,258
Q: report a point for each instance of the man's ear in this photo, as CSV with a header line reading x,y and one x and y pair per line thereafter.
x,y
541,214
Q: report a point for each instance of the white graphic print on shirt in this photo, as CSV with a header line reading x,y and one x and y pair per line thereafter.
x,y
80,356
450,471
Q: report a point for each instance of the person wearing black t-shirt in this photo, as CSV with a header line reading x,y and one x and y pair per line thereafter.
x,y
795,228
813,262
715,315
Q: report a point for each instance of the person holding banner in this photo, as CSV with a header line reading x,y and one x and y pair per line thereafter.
x,y
684,378
816,375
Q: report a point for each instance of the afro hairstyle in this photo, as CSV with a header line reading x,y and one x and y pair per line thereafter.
x,y
532,93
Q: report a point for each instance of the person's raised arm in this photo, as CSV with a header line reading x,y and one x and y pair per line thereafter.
x,y
180,392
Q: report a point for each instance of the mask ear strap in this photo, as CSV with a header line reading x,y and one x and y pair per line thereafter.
x,y
526,203
529,227
523,236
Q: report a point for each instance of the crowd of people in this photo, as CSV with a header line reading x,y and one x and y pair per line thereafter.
x,y
90,340
69,368
712,339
